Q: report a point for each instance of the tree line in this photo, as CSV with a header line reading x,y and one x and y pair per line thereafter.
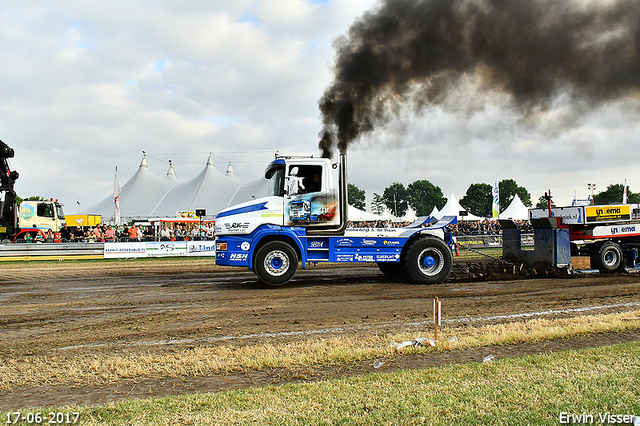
x,y
422,196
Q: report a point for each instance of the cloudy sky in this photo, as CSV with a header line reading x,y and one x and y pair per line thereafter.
x,y
87,86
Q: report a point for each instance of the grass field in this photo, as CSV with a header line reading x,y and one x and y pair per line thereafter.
x,y
530,390
97,369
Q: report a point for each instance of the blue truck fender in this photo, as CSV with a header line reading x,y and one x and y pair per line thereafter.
x,y
267,231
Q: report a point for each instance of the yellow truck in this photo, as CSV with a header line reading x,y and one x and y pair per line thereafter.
x,y
83,219
41,215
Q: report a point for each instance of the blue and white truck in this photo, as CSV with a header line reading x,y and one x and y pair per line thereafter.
x,y
304,220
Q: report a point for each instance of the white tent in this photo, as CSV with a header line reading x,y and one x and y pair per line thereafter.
x,y
138,196
516,210
148,195
250,191
210,190
386,215
409,216
171,173
357,215
434,212
453,208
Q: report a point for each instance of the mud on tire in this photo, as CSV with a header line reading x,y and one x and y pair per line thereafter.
x,y
426,260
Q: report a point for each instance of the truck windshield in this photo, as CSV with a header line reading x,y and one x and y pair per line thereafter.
x,y
276,182
59,211
45,210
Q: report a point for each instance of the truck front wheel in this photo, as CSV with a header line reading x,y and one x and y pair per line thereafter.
x,y
427,261
275,263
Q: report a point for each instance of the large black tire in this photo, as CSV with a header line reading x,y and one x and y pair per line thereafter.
x,y
391,270
609,257
275,263
426,260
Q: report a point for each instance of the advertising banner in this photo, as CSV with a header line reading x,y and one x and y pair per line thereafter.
x,y
186,214
201,248
124,250
608,213
166,248
159,249
486,241
570,215
479,241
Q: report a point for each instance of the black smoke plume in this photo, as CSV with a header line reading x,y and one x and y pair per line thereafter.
x,y
533,50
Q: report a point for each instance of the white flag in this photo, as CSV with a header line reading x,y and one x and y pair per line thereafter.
x,y
495,206
116,199
624,193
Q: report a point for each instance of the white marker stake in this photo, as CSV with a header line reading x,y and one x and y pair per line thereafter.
x,y
436,317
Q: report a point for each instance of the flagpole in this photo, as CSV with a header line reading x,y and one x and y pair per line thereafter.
x,y
495,205
116,199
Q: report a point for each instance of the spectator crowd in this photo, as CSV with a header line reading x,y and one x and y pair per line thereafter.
x,y
463,227
170,231
122,233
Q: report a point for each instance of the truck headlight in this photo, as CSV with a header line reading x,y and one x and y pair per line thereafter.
x,y
221,246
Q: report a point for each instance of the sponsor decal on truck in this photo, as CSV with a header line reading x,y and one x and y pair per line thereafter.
x,y
608,213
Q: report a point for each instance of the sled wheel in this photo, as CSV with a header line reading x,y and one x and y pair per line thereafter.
x,y
275,263
609,257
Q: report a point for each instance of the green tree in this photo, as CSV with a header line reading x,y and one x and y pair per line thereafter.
x,y
377,204
477,200
508,189
31,198
396,198
543,204
613,195
423,196
357,197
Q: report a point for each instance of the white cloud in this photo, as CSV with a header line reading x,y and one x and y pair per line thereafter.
x,y
87,86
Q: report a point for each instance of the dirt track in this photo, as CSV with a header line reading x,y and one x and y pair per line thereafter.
x,y
83,308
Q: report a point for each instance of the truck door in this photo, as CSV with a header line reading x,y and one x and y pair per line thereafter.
x,y
310,199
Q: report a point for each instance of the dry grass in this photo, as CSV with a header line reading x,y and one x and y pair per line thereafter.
x,y
203,361
530,390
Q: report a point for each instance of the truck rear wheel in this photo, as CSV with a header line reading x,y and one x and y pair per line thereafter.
x,y
275,263
609,257
427,261
391,269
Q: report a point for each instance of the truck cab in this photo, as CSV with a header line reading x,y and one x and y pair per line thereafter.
x,y
304,219
42,215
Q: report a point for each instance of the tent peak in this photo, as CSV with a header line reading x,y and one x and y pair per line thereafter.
x,y
171,173
229,169
210,160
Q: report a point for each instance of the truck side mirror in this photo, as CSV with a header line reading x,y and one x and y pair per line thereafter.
x,y
286,186
291,186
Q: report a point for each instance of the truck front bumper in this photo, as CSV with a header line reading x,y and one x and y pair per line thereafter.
x,y
232,251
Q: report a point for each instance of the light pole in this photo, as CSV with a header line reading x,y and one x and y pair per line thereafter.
x,y
395,205
592,187
78,206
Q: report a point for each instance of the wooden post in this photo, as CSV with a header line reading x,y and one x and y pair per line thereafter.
x,y
436,317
